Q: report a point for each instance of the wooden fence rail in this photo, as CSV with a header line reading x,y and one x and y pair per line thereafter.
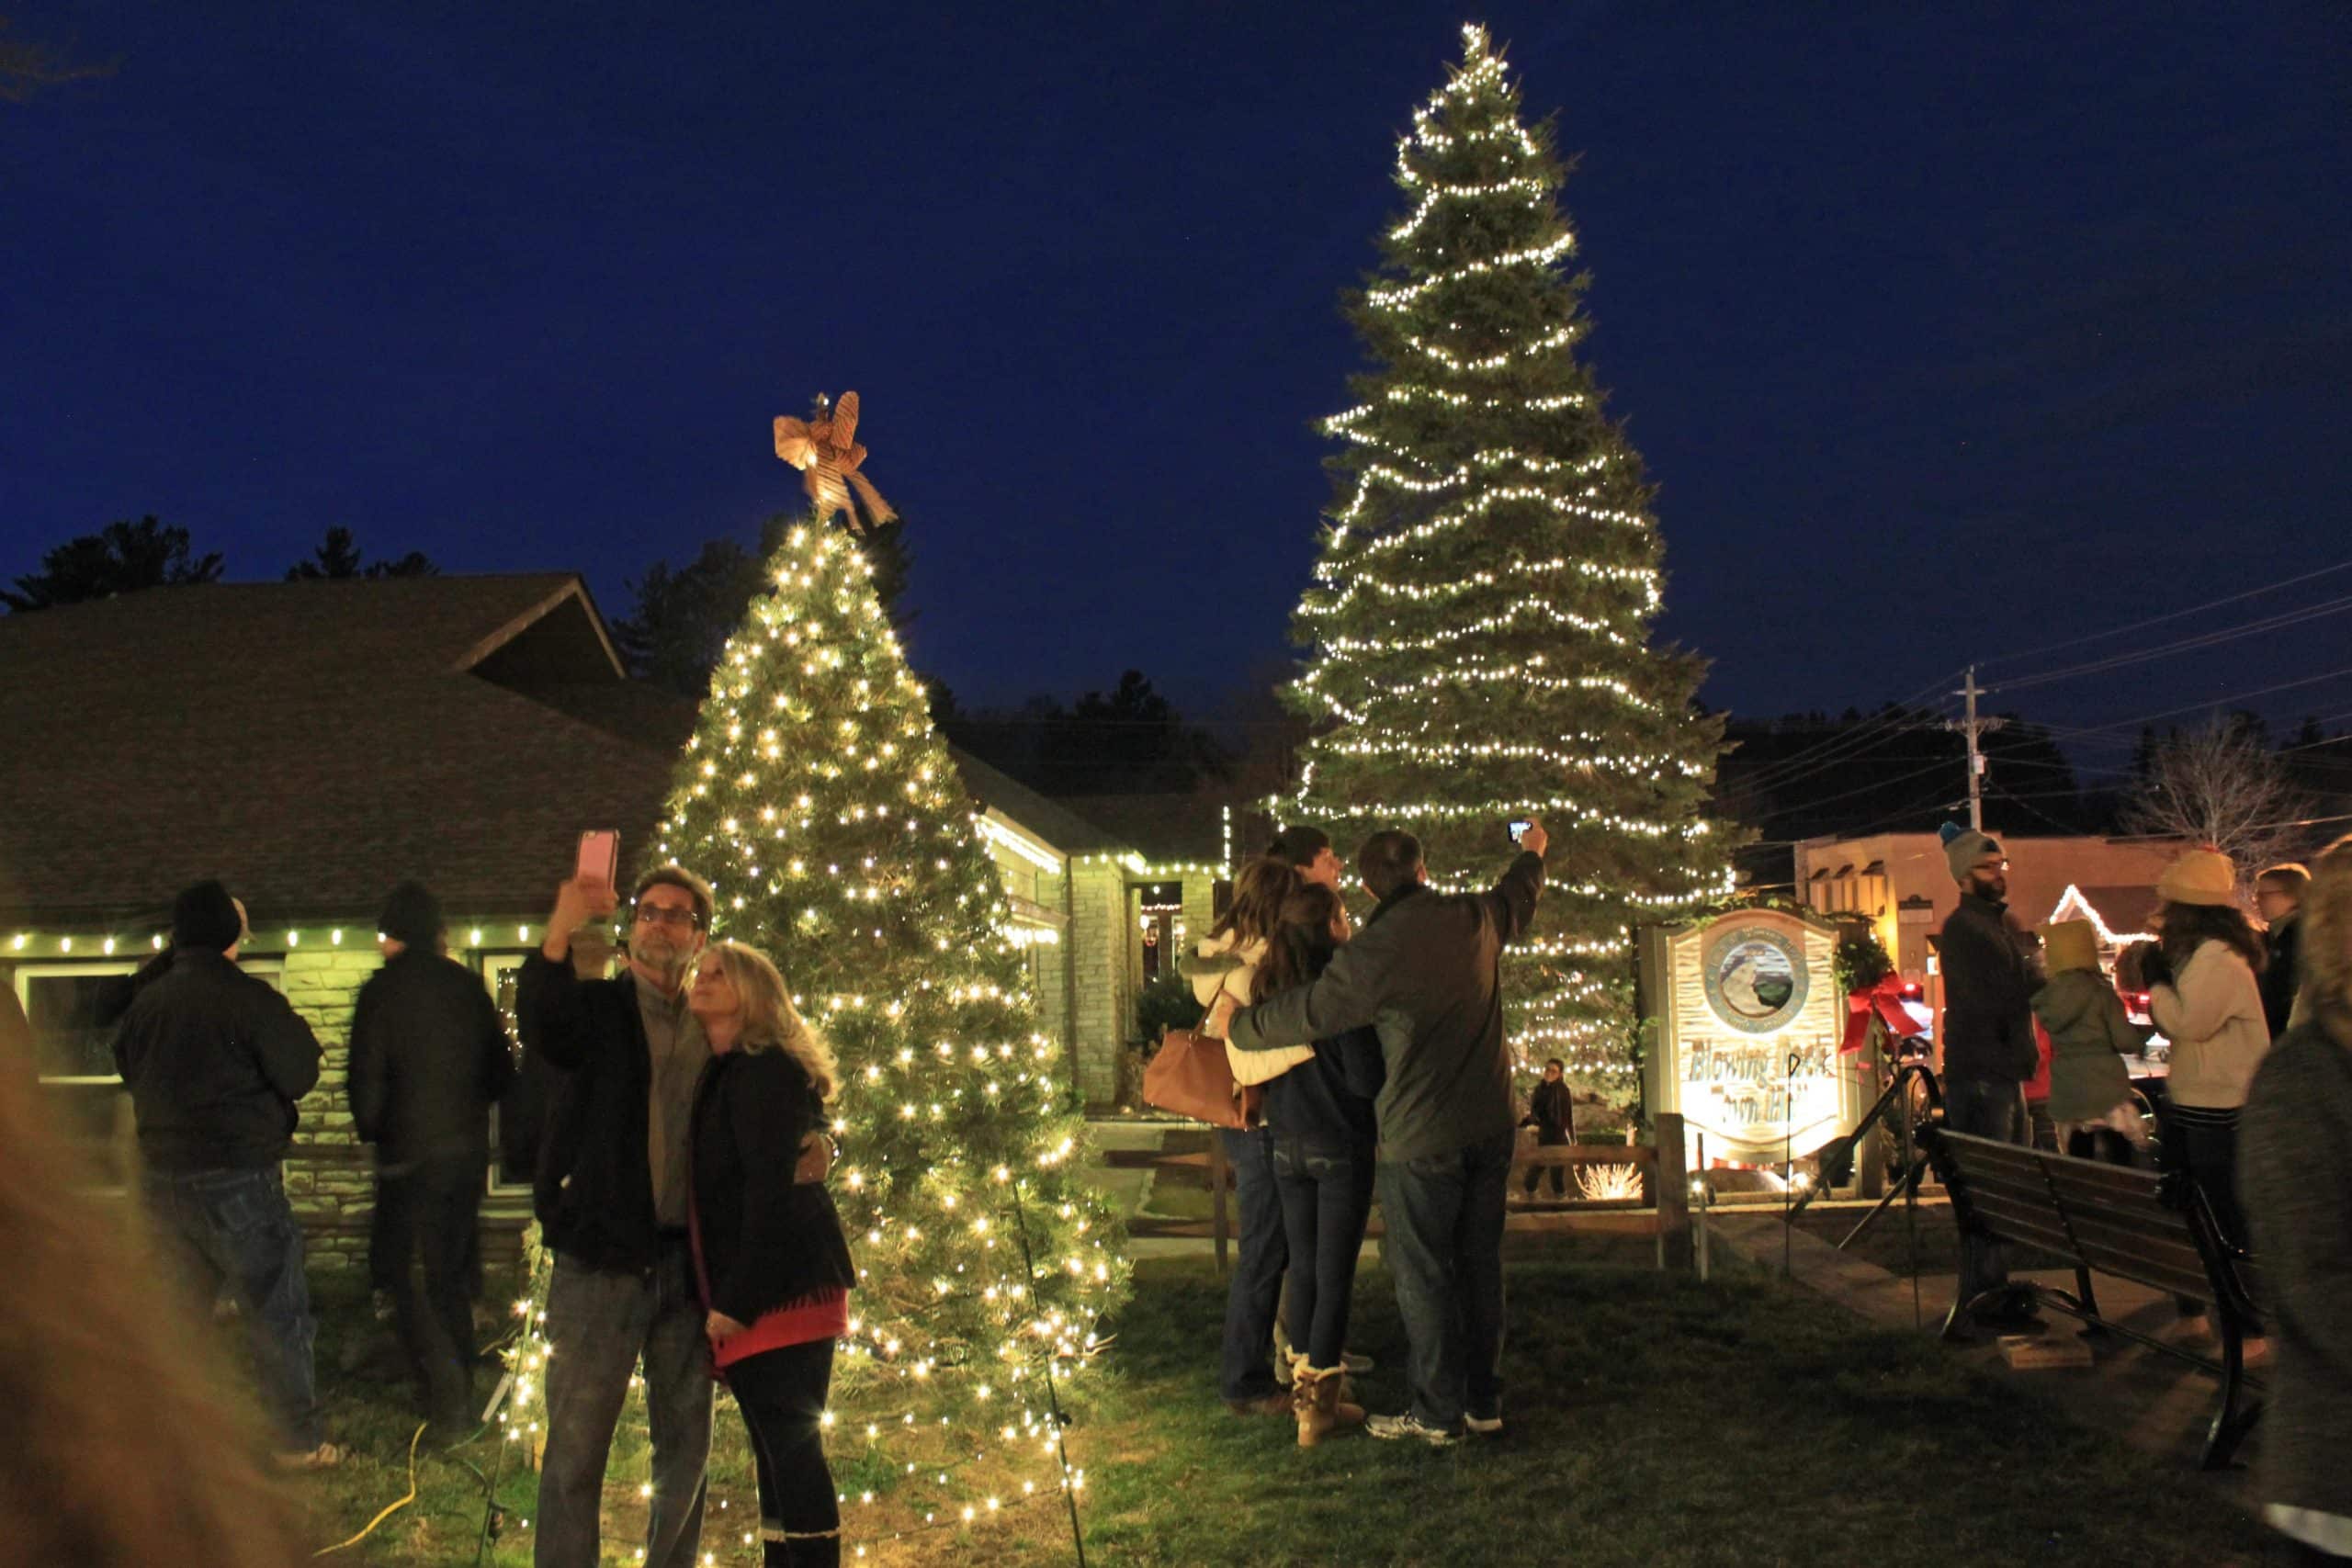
x,y
1662,1211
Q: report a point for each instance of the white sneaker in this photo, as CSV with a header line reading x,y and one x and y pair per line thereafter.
x,y
1482,1426
1410,1426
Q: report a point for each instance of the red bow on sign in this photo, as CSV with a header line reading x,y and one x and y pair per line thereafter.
x,y
1888,1001
826,454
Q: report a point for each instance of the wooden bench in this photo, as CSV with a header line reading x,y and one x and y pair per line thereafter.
x,y
2113,1220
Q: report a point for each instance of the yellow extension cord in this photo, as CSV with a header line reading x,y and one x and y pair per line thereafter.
x,y
389,1511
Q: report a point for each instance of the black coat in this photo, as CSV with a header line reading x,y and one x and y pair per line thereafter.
x,y
1551,1110
1989,981
1425,971
2283,972
767,1241
214,1060
594,1188
428,1059
1327,1103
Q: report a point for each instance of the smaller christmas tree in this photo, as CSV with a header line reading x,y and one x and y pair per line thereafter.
x,y
832,822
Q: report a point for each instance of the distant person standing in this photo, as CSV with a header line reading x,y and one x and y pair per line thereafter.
x,y
1989,1050
2278,897
1553,1115
428,1059
2204,996
2295,1173
215,1062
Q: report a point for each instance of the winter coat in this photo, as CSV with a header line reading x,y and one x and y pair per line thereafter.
x,y
2212,1012
2089,1036
767,1241
593,1188
428,1059
1989,981
1549,1109
1325,1103
2295,1179
1226,966
2282,975
215,1061
1425,971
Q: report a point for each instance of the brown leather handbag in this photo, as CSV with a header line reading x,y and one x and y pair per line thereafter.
x,y
1190,1077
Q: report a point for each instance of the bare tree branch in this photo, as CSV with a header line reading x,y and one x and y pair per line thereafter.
x,y
2217,785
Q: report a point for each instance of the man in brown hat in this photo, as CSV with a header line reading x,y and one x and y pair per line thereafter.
x,y
1990,972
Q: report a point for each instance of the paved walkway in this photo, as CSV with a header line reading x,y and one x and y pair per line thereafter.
x,y
2153,1401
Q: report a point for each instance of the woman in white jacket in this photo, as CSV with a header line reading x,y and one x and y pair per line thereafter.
x,y
2206,1000
1225,963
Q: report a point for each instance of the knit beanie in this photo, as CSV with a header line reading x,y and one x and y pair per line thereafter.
x,y
2200,876
2070,944
205,915
1964,849
412,916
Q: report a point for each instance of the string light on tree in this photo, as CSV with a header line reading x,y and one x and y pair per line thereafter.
x,y
831,819
1479,625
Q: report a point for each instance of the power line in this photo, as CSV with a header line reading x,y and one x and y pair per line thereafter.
x,y
1895,716
2192,707
2173,615
2203,639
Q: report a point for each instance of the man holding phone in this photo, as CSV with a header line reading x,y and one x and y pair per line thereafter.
x,y
1425,969
610,1194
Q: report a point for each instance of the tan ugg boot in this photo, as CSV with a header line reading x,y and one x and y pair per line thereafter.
x,y
1317,1396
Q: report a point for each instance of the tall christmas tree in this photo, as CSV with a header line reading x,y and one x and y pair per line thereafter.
x,y
833,824
1479,622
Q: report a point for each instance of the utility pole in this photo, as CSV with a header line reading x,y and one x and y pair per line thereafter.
x,y
1974,727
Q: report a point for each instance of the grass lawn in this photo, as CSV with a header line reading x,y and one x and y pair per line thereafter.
x,y
1654,1421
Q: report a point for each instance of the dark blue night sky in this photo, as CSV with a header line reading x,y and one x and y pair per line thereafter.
x,y
1945,332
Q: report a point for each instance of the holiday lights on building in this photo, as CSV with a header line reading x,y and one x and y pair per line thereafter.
x,y
1479,624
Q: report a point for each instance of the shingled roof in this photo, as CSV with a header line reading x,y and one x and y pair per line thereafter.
x,y
310,742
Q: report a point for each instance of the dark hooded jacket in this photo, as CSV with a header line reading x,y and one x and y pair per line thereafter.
x,y
1989,981
215,1061
428,1059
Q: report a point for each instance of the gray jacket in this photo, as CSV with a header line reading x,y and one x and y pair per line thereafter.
x,y
1425,971
2295,1178
2089,1035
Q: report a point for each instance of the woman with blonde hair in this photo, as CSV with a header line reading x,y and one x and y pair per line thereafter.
x,y
770,1256
2295,1176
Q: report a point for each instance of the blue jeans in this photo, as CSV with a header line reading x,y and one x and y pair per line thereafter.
x,y
1985,1108
235,1226
1445,1244
599,1322
1248,1359
1326,1196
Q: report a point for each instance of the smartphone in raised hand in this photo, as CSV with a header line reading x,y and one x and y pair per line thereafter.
x,y
600,857
1516,829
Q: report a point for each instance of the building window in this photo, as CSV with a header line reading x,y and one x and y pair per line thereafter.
x,y
514,1120
63,1003
1161,912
